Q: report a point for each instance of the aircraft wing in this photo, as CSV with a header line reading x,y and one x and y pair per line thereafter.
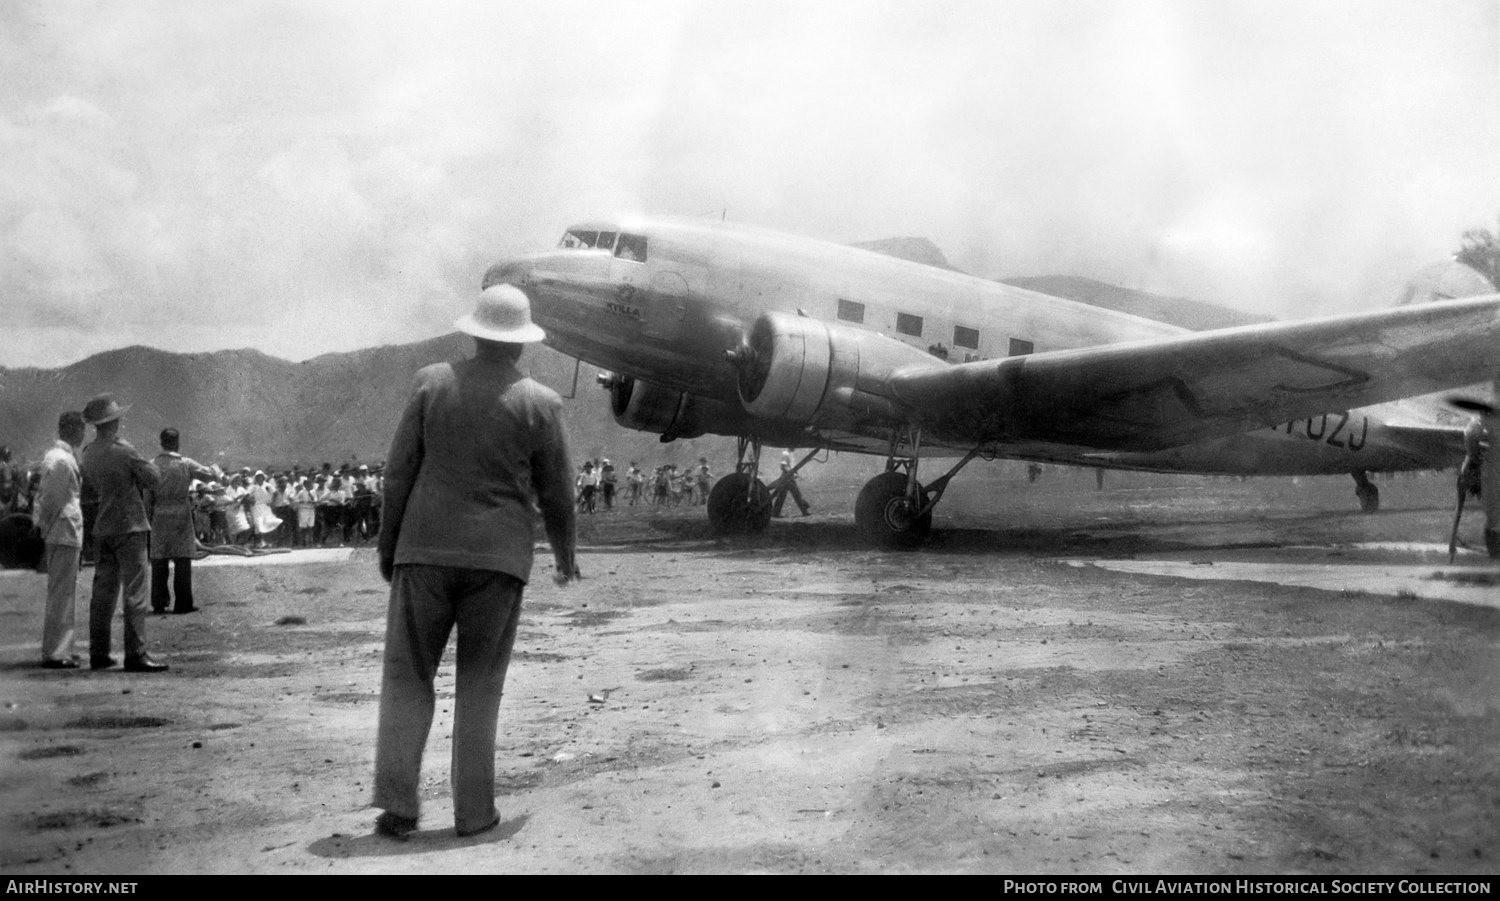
x,y
1148,395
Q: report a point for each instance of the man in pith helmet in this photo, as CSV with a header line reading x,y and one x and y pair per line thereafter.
x,y
478,448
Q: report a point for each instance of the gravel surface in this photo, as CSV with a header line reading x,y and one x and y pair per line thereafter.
x,y
800,702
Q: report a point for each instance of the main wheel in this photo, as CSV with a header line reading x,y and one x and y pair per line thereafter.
x,y
734,508
885,515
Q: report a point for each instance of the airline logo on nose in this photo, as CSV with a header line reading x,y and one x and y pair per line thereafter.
x,y
621,305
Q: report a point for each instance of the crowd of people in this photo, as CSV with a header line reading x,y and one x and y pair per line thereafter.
x,y
291,508
253,509
598,485
19,483
340,506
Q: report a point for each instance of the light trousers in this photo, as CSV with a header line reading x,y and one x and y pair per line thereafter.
x,y
426,603
60,620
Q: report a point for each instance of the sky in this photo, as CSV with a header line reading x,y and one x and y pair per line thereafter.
x,y
310,177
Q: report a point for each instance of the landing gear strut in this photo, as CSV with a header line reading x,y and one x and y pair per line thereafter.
x,y
894,509
1365,490
740,503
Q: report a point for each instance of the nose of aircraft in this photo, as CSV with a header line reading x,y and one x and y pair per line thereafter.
x,y
508,272
520,272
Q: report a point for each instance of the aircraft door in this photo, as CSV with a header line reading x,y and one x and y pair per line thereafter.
x,y
667,307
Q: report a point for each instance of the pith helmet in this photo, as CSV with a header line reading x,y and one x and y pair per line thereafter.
x,y
503,314
103,409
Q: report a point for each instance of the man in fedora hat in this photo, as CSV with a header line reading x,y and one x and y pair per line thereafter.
x,y
478,448
115,475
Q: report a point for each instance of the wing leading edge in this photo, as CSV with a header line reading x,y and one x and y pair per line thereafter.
x,y
1149,395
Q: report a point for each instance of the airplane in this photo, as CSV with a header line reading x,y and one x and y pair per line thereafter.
x,y
708,327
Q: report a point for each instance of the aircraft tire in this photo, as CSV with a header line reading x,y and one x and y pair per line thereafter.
x,y
1369,498
884,515
732,510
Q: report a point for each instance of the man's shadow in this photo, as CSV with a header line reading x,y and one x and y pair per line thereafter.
x,y
419,842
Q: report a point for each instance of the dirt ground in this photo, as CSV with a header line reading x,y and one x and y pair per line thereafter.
x,y
800,702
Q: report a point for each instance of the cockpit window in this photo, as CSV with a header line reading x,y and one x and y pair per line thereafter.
x,y
587,239
579,239
631,247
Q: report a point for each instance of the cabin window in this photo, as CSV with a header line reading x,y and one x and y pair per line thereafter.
x,y
606,241
632,248
1019,348
907,324
966,337
850,311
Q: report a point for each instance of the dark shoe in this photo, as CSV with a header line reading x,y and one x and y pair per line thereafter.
x,y
184,609
465,833
101,662
394,825
159,611
65,663
144,664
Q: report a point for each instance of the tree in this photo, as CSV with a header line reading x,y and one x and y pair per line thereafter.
x,y
1481,252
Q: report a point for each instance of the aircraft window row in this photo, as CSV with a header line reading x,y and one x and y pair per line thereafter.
x,y
907,324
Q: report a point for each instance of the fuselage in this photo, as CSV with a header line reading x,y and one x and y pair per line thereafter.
x,y
668,300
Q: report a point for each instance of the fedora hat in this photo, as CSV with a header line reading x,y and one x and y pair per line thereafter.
x,y
103,409
503,314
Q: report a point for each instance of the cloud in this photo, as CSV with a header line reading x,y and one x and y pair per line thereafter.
x,y
77,110
305,178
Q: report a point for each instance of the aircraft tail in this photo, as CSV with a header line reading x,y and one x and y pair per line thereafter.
x,y
1444,280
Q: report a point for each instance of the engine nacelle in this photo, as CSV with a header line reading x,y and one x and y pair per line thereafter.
x,y
805,371
647,407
